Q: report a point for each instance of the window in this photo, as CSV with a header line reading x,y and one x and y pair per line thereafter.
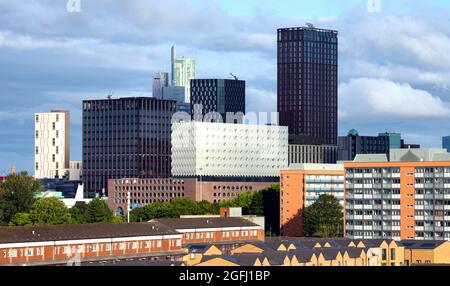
x,y
393,254
13,253
384,254
159,243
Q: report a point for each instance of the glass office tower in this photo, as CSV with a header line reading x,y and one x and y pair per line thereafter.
x,y
308,84
125,138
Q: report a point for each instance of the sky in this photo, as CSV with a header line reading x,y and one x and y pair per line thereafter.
x,y
394,62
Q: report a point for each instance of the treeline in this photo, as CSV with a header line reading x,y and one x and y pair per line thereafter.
x,y
19,207
265,202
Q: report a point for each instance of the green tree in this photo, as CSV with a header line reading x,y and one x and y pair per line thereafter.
x,y
206,207
243,200
324,218
98,212
49,211
118,219
173,209
16,195
78,213
21,219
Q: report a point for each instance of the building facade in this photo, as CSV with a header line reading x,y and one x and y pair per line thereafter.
x,y
312,154
446,143
183,71
407,197
228,150
352,144
125,137
218,95
160,80
43,245
308,84
177,93
300,186
147,191
52,144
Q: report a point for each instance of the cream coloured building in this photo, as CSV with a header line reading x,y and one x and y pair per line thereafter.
x,y
183,70
52,144
228,150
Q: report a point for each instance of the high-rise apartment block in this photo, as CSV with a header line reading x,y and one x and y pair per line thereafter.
x,y
300,186
219,95
52,144
308,84
228,150
125,137
183,71
160,80
406,197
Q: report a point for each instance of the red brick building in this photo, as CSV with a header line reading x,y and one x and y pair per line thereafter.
x,y
47,244
147,191
157,238
217,229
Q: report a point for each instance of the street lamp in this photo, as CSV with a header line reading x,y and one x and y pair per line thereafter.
x,y
128,206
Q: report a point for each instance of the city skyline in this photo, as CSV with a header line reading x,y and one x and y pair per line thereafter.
x,y
397,79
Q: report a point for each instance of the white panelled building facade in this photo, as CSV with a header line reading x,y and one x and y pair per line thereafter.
x,y
228,150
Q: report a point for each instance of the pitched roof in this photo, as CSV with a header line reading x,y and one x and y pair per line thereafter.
x,y
354,252
82,231
214,222
248,259
330,253
421,244
199,248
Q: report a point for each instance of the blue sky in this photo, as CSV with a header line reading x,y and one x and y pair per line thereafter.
x,y
394,72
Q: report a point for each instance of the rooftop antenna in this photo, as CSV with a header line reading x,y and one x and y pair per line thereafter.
x,y
235,77
309,25
110,95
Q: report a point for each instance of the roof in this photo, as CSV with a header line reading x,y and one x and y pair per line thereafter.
x,y
199,248
330,253
421,244
214,222
354,252
276,258
211,257
82,231
370,158
248,259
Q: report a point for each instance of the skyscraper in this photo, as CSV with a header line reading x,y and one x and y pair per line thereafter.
x,y
308,84
52,144
218,95
125,138
183,70
160,80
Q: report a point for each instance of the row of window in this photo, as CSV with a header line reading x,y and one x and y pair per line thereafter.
x,y
39,251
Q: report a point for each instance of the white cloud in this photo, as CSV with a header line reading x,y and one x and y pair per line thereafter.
x,y
261,100
374,99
